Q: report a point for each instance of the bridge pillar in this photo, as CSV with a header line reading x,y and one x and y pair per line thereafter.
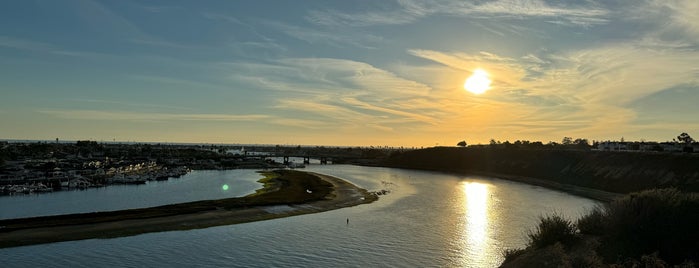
x,y
286,160
323,160
306,160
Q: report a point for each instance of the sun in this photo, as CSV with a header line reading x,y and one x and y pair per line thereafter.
x,y
478,82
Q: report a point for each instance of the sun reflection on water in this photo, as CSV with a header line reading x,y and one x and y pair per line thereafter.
x,y
475,223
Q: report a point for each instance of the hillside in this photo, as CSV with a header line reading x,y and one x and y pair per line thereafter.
x,y
619,172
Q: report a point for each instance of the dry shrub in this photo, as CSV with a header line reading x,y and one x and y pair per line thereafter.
x,y
551,229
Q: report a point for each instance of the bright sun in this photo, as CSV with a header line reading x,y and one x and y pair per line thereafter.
x,y
478,83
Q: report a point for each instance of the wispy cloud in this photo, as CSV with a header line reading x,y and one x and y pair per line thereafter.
x,y
37,46
139,116
127,104
583,15
23,44
583,91
332,38
265,41
340,92
161,9
193,84
669,21
409,11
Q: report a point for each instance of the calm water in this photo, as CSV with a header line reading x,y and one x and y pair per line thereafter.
x,y
196,185
429,220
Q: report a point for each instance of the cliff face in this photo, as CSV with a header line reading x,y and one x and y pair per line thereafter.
x,y
620,172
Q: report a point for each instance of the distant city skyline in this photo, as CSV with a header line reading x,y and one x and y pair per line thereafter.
x,y
351,73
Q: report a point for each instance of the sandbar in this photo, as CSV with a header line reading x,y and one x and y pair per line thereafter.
x,y
341,194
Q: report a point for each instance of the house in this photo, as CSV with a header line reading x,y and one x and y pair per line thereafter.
x,y
612,146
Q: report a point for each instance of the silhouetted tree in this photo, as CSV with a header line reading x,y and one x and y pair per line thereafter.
x,y
581,142
685,138
461,143
567,141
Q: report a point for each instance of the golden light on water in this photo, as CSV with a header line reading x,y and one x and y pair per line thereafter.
x,y
478,82
474,233
476,211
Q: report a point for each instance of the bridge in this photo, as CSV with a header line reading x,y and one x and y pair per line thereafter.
x,y
324,159
326,155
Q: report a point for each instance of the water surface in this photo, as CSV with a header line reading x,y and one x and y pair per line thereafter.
x,y
194,186
428,220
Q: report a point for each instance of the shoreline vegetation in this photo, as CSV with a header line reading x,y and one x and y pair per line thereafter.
x,y
652,228
595,174
285,193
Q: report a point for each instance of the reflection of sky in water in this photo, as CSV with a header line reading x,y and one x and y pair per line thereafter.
x,y
429,219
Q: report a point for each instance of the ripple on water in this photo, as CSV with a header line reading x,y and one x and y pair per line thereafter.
x,y
420,224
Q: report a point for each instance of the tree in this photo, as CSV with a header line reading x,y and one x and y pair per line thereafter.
x,y
567,141
581,142
685,138
461,143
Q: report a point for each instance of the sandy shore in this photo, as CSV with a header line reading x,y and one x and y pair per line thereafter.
x,y
344,194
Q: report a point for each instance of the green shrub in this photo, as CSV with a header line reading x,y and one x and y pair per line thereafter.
x,y
551,229
653,228
663,221
511,254
593,222
549,256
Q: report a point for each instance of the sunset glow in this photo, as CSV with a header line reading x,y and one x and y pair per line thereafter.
x,y
478,82
375,73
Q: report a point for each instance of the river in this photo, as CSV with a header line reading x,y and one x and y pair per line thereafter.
x,y
429,219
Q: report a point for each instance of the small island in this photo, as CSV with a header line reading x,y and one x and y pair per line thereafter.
x,y
281,196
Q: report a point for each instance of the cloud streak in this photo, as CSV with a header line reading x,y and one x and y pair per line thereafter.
x,y
409,11
591,88
341,92
141,116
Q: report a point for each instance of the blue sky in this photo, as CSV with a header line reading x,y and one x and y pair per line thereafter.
x,y
348,72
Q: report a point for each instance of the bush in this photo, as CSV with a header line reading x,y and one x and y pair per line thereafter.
x,y
662,221
511,254
592,223
551,229
653,228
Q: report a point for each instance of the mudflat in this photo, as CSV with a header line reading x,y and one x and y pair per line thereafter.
x,y
286,193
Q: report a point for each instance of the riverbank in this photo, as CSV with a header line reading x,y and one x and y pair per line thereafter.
x,y
577,172
585,192
288,193
590,193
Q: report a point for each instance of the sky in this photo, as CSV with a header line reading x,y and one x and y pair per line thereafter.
x,y
353,73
